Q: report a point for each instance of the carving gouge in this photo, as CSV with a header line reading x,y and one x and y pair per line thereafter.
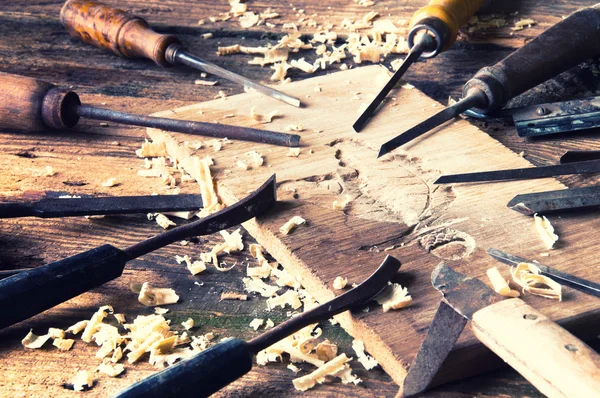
x,y
566,44
433,29
579,156
131,37
212,369
552,359
36,290
583,285
559,200
70,207
34,105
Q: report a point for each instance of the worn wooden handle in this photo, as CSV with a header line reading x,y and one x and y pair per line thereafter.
x,y
453,13
29,104
552,359
115,30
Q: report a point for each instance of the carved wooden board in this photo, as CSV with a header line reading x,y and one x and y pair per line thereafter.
x,y
393,205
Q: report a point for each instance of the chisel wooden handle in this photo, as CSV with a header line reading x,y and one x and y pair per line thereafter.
x,y
452,14
559,48
31,292
552,359
115,30
34,105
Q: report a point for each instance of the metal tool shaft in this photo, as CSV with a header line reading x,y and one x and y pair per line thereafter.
x,y
560,200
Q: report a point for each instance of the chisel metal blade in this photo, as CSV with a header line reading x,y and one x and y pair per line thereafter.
x,y
70,207
564,199
583,285
579,156
592,166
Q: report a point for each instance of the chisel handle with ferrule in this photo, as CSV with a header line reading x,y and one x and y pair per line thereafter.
x,y
199,376
116,30
564,45
443,18
31,292
552,359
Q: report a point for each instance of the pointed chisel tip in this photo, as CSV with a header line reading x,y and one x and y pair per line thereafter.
x,y
382,151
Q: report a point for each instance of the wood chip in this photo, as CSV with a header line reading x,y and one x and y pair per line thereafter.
x,y
63,344
366,360
500,284
256,323
545,230
233,296
340,282
289,226
290,298
263,118
153,296
34,341
528,276
199,82
256,285
111,182
82,380
110,370
336,367
188,324
394,297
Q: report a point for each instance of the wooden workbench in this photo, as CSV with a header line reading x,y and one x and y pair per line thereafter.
x,y
33,43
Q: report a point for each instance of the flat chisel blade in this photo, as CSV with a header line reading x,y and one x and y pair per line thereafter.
x,y
70,207
583,285
592,166
560,200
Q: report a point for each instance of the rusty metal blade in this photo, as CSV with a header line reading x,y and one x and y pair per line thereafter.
x,y
465,294
445,328
560,200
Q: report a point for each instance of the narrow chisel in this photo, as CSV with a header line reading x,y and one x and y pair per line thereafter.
x,y
70,207
560,200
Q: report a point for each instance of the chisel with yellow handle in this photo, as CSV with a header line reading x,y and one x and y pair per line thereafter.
x,y
433,29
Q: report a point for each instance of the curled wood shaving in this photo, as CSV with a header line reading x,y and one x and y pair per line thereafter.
x,y
290,298
110,370
326,350
284,278
152,296
302,65
291,224
500,284
528,276
188,324
248,19
256,323
394,297
546,230
63,344
56,333
34,341
523,23
233,296
263,118
335,367
366,360
200,82
256,285
94,323
78,327
82,380
269,324
280,69
340,282
163,221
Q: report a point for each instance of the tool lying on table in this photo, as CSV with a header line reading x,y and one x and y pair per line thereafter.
x,y
553,118
31,292
433,29
131,37
34,105
220,365
559,200
583,285
552,359
566,44
579,156
110,205
590,166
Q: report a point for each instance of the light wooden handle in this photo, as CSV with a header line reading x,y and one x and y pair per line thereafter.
x,y
115,30
552,359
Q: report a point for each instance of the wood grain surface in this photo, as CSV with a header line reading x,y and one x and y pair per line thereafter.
x,y
33,43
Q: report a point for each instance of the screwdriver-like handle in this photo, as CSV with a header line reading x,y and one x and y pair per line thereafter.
x,y
559,48
33,291
29,104
199,376
448,15
115,30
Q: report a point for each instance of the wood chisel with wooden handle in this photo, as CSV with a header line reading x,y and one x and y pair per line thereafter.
x,y
210,370
31,292
132,37
433,29
566,44
33,105
552,359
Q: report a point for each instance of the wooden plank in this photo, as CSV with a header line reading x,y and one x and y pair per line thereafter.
x,y
393,203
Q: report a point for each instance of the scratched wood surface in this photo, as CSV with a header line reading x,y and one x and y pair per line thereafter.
x,y
33,43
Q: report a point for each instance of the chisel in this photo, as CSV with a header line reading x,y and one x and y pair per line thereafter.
x,y
559,200
132,37
566,44
33,291
433,29
29,104
208,371
110,205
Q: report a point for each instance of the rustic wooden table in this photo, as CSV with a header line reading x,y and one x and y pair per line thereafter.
x,y
33,43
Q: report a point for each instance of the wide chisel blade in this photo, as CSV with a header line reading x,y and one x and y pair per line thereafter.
x,y
69,207
563,278
564,199
592,166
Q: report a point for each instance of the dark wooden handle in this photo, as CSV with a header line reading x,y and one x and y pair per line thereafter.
x,y
559,48
199,376
31,292
115,30
34,105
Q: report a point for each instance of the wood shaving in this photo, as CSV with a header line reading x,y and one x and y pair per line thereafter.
x,y
48,172
289,226
263,118
293,368
82,380
206,36
159,310
120,318
366,360
394,297
187,325
528,276
163,221
151,149
221,94
94,323
341,204
326,350
293,152
523,23
153,296
196,267
110,370
199,82
302,65
500,284
290,298
56,333
34,341
233,296
78,327
545,230
280,69
269,324
336,367
284,278
256,323
340,282
242,165
248,19
111,182
63,344
256,285
237,8
295,127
